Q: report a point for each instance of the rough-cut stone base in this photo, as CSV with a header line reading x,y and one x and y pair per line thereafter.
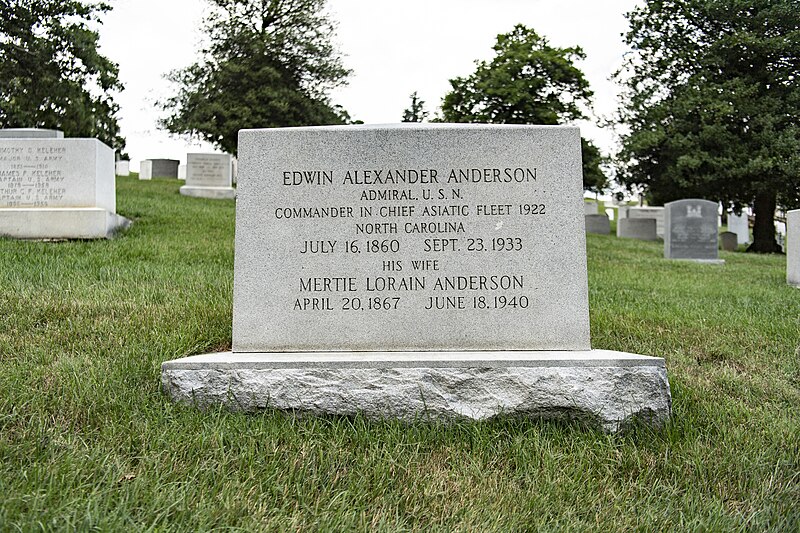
x,y
215,193
604,387
60,223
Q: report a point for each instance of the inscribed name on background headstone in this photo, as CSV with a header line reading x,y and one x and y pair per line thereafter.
x,y
410,238
691,230
57,188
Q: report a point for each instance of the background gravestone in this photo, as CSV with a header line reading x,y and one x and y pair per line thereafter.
x,y
643,229
146,170
182,172
56,188
164,168
598,224
728,241
691,230
123,168
656,213
793,247
590,208
208,176
419,270
740,225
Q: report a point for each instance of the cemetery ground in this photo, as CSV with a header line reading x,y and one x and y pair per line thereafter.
x,y
88,440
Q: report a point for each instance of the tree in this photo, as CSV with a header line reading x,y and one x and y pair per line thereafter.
x,y
415,113
51,73
269,63
527,82
712,103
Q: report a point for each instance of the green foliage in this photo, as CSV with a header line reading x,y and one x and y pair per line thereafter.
x,y
268,64
51,73
712,101
416,112
527,82
89,441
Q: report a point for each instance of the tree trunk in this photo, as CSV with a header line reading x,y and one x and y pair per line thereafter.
x,y
764,226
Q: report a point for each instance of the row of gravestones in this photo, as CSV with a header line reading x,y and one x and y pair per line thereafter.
x,y
394,271
206,175
689,228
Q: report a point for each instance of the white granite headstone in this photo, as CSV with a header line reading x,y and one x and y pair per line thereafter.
x,y
793,248
30,133
739,224
123,168
208,176
182,172
146,170
416,270
56,188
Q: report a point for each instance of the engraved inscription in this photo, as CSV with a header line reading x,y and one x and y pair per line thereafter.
x,y
32,176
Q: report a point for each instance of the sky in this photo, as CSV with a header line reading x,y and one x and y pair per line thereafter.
x,y
393,47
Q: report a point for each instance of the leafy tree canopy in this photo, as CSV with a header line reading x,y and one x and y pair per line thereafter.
x,y
712,102
51,73
527,82
269,63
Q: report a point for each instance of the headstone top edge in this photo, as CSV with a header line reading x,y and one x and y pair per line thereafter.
x,y
408,126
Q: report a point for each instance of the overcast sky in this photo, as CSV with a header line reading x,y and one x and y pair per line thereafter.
x,y
394,47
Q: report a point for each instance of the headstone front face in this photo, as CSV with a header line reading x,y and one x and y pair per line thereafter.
x,y
739,225
656,213
30,133
165,168
146,170
208,176
690,230
642,229
417,270
55,188
598,224
793,247
182,172
728,241
589,208
410,239
123,168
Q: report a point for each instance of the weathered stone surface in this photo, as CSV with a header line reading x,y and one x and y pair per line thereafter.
x,y
793,247
30,133
208,176
522,183
728,241
691,230
608,388
598,224
165,168
643,229
56,188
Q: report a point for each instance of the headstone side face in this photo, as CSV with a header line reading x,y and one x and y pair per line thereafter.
x,y
425,237
598,224
30,133
690,230
793,248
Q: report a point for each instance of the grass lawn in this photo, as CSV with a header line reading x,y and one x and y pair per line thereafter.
x,y
87,439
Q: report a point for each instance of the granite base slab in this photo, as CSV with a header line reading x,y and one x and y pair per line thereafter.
x,y
606,388
60,223
214,193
